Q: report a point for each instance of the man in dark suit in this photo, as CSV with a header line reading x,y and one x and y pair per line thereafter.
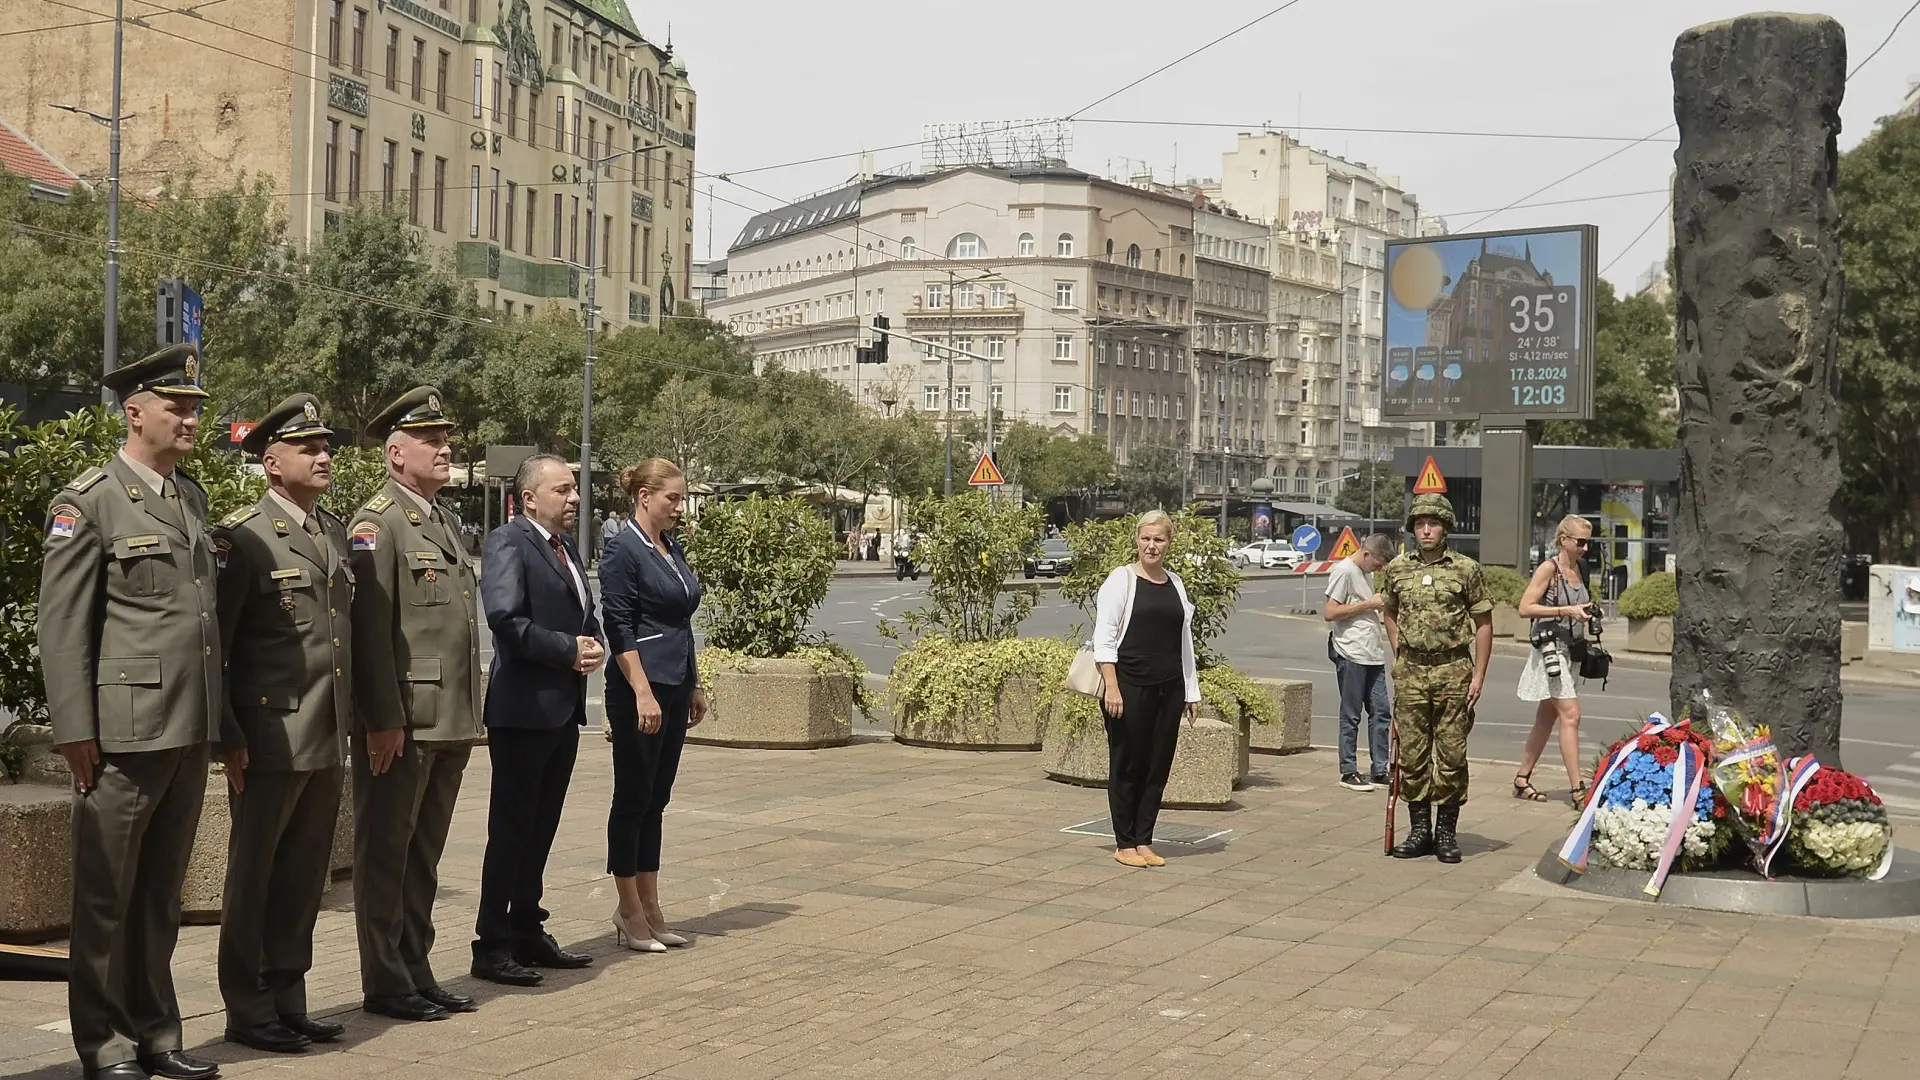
x,y
545,642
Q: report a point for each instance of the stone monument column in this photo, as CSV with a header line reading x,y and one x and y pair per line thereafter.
x,y
1758,276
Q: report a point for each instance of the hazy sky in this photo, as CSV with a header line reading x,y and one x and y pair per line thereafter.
x,y
779,83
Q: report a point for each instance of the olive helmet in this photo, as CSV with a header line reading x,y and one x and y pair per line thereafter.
x,y
1431,505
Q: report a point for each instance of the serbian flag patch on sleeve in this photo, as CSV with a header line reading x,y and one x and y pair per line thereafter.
x,y
66,518
366,536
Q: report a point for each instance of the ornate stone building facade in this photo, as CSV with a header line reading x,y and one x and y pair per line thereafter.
x,y
479,119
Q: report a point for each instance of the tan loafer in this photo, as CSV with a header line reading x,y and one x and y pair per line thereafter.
x,y
1128,858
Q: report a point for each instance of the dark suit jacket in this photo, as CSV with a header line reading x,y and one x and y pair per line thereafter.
x,y
535,616
650,601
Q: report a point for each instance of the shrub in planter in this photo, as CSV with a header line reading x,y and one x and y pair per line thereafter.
x,y
966,680
1652,597
1197,555
765,564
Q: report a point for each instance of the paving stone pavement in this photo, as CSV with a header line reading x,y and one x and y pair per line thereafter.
x,y
882,911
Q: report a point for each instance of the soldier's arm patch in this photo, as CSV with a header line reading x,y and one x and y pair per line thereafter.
x,y
62,521
221,547
366,536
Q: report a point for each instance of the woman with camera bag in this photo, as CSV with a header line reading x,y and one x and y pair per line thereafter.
x,y
1557,601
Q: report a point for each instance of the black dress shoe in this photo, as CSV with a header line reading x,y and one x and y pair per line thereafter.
x,y
125,1070
317,1030
545,952
448,1000
272,1036
404,1007
506,972
179,1065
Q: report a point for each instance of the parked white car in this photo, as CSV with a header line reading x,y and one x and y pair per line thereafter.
x,y
1267,554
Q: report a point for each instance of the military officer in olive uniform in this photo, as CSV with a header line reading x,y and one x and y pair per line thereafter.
x,y
130,647
285,599
416,674
1440,624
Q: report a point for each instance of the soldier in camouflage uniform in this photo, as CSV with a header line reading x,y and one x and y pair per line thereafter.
x,y
1440,624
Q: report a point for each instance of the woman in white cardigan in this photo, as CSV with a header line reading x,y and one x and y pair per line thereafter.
x,y
1140,611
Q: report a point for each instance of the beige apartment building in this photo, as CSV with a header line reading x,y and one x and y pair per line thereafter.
x,y
1056,297
480,118
1233,354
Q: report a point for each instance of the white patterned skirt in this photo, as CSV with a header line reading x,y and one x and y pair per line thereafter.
x,y
1535,685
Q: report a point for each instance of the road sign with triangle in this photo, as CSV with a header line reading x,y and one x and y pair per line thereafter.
x,y
1430,481
1346,545
986,474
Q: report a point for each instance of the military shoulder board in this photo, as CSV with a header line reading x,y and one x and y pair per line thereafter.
x,y
379,503
238,517
88,479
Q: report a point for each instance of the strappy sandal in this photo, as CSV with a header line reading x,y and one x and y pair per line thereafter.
x,y
1578,797
1523,789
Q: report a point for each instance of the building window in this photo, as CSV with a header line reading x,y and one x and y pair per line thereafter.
x,y
1063,294
1153,407
560,124
1100,400
419,62
559,208
963,396
1063,247
573,230
1136,403
513,111
413,188
1063,399
936,296
1026,245
593,143
389,155
1063,346
967,246
533,202
1349,443
907,250
1100,352
335,13
997,294
440,194
359,41
440,74
1153,358
633,252
498,80
493,208
646,254
330,165
1136,355
479,85
1180,407
393,58
513,196
930,397
963,296
473,202
606,245
996,348
356,137
577,111
1133,256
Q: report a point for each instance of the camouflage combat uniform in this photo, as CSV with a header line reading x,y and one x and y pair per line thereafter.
x,y
1434,604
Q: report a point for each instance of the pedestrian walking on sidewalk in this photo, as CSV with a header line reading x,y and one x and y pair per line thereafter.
x,y
1440,627
1357,646
1557,601
1143,644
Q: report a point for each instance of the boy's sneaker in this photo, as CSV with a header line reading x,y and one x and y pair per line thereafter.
x,y
1381,781
1353,782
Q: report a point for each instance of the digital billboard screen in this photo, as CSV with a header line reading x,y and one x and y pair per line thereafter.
x,y
1491,324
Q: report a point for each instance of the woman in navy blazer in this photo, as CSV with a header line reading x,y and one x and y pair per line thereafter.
x,y
648,596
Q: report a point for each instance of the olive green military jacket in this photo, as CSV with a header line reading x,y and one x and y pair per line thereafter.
x,y
285,627
128,638
416,638
1435,602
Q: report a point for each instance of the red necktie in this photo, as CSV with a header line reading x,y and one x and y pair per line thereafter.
x,y
560,552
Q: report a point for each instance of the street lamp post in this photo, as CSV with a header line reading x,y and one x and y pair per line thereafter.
x,y
110,330
1318,484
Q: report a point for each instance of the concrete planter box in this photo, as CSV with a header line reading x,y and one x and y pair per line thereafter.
x,y
1853,642
204,894
36,847
1015,723
1650,635
777,705
1294,732
1507,623
1206,762
341,865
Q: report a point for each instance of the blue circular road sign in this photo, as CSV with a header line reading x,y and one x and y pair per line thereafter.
x,y
1306,538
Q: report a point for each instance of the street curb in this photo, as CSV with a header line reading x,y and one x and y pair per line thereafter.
x,y
1850,673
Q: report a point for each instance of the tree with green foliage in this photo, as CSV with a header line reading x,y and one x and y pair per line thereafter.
x,y
971,545
1880,340
1048,466
1633,362
1376,491
1154,477
806,429
765,564
527,390
1198,554
910,460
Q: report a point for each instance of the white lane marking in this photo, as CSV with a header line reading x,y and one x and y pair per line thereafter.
x,y
854,622
713,899
1908,769
1894,780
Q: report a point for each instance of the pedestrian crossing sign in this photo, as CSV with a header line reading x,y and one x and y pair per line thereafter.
x,y
1430,481
1345,546
986,474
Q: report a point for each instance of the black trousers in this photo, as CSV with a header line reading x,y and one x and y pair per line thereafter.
x,y
1140,748
643,770
531,770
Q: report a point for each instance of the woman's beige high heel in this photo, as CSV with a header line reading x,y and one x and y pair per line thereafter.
x,y
628,939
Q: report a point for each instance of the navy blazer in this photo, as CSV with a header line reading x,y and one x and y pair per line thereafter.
x,y
650,601
536,617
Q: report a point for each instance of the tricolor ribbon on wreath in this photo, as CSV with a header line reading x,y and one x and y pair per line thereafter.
x,y
1799,772
1689,775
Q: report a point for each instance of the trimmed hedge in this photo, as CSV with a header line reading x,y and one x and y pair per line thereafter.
x,y
1652,597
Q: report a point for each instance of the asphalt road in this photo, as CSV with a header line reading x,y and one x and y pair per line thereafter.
x,y
1266,637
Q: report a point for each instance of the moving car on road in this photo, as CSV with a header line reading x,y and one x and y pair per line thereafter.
x,y
1267,554
1054,559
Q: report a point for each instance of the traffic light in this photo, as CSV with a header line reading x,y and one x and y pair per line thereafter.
x,y
877,354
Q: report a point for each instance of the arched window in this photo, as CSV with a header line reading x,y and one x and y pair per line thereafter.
x,y
1156,260
1063,247
1026,245
1183,266
966,246
1109,250
907,250
1133,256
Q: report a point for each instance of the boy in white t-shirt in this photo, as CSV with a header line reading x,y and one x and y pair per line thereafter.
x,y
1358,648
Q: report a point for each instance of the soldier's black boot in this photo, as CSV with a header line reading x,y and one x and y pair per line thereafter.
x,y
1446,834
1419,841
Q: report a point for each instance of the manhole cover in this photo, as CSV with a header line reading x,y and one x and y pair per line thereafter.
x,y
1164,833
